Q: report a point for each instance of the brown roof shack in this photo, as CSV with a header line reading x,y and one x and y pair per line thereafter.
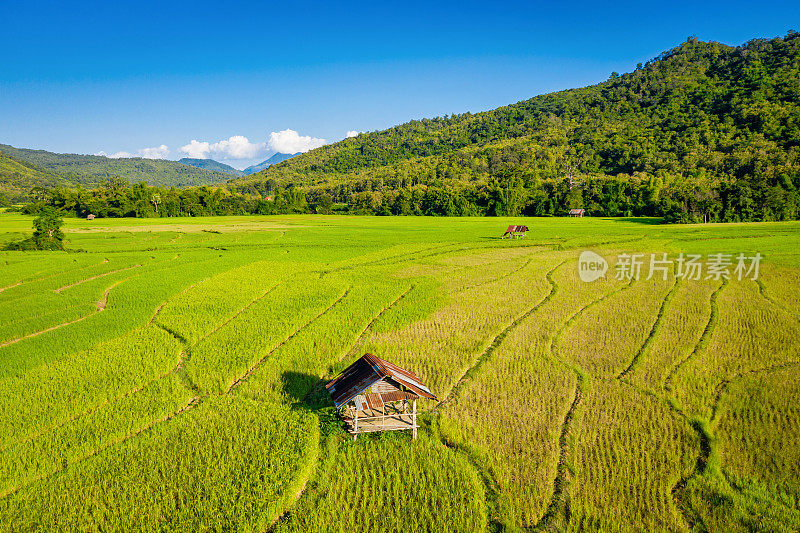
x,y
369,392
516,231
577,212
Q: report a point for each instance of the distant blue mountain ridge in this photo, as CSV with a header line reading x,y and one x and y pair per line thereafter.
x,y
272,160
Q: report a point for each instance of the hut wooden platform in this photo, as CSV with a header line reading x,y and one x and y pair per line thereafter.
x,y
365,423
376,395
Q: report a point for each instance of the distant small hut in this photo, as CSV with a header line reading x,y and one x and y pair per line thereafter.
x,y
577,212
516,232
374,395
90,217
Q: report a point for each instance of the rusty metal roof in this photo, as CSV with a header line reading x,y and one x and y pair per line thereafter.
x,y
517,229
367,370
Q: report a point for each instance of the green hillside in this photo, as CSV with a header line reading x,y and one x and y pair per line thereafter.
x,y
702,122
91,170
18,177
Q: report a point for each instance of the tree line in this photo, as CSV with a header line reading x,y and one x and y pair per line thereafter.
x,y
507,194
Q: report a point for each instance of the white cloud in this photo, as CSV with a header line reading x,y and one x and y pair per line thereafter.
x,y
290,142
154,152
196,150
352,133
115,155
237,147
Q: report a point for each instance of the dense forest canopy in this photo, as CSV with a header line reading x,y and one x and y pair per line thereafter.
x,y
703,132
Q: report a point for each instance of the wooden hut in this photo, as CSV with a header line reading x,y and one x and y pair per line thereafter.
x,y
90,217
374,395
577,212
516,232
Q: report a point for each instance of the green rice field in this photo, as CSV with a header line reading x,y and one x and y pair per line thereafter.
x,y
166,375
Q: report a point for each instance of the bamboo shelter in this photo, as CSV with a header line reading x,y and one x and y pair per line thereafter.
x,y
375,395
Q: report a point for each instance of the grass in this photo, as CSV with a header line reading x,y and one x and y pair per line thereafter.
x,y
747,333
758,427
631,450
191,400
230,463
390,484
605,339
49,394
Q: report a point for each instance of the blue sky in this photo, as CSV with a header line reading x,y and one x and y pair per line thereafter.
x,y
148,78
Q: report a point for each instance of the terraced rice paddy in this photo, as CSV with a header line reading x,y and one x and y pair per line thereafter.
x,y
168,377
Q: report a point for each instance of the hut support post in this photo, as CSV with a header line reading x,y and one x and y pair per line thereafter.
x,y
414,421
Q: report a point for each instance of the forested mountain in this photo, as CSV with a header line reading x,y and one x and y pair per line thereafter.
x,y
17,178
704,131
210,164
91,170
272,160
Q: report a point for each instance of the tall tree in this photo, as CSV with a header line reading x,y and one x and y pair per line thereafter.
x,y
47,234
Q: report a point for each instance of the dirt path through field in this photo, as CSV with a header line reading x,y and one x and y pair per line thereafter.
x,y
17,284
99,305
104,274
